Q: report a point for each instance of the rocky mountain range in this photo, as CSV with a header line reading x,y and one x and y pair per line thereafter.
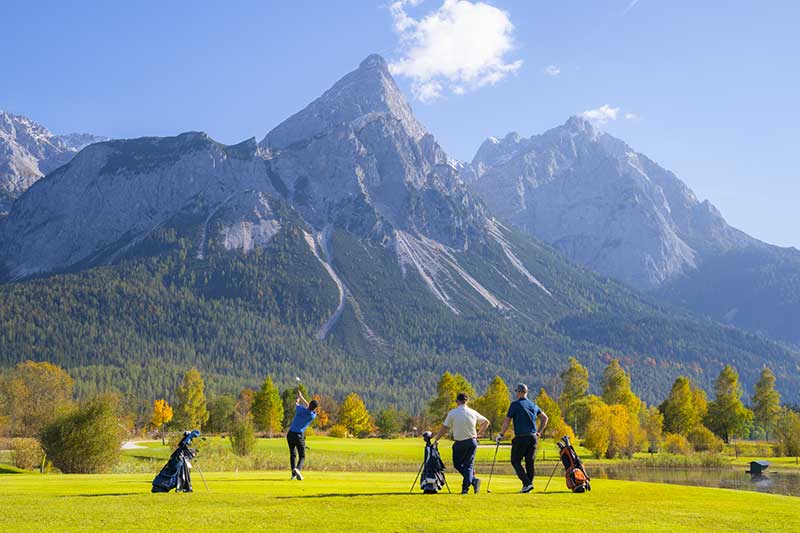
x,y
28,151
616,211
345,238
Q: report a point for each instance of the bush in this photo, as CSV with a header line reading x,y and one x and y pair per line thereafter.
x,y
27,453
338,431
243,437
86,439
703,440
677,444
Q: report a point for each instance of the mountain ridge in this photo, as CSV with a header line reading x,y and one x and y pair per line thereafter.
x,y
346,237
618,212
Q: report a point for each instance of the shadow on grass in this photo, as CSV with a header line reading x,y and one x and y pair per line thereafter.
x,y
344,495
102,494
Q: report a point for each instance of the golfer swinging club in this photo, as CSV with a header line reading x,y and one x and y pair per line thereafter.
x,y
526,437
462,421
304,414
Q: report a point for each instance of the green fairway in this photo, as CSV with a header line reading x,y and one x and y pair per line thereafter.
x,y
351,501
324,453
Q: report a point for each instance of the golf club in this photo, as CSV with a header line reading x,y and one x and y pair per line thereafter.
x,y
202,477
497,447
416,478
551,475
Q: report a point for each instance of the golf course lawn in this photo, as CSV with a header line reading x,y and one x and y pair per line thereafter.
x,y
353,501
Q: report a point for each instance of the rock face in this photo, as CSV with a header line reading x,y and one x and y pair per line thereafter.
x,y
28,151
355,159
621,214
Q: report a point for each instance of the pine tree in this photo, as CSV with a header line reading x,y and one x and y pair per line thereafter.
x,y
268,408
354,416
727,415
766,402
191,409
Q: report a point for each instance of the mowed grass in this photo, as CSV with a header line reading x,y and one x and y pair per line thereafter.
x,y
353,501
326,453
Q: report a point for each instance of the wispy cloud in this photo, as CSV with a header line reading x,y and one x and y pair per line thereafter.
x,y
552,70
460,46
630,6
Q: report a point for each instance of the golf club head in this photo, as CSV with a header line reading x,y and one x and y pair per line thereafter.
x,y
427,436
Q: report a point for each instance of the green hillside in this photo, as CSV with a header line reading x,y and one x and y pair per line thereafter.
x,y
135,326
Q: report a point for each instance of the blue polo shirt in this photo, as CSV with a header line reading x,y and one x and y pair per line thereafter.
x,y
302,419
523,412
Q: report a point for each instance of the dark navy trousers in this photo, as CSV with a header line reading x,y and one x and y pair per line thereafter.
x,y
464,460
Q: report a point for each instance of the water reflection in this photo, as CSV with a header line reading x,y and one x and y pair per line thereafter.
x,y
775,482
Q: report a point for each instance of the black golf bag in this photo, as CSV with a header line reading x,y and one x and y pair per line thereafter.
x,y
577,478
175,474
432,479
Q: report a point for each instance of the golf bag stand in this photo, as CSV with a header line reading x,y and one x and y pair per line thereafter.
x,y
432,478
175,474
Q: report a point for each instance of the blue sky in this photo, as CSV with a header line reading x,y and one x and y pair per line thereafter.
x,y
710,87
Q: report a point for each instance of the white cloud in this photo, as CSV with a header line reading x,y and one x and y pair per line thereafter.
x,y
552,70
459,47
605,114
602,115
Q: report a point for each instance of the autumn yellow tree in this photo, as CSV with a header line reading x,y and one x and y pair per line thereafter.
x,y
33,394
446,390
556,427
162,415
494,403
191,410
354,416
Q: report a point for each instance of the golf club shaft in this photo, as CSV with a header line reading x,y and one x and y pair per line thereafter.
x,y
551,476
416,478
497,447
202,477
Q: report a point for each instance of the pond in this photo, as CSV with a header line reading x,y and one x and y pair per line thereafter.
x,y
775,482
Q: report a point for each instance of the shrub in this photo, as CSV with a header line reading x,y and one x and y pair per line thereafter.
x,y
86,439
338,431
27,453
243,437
677,444
703,440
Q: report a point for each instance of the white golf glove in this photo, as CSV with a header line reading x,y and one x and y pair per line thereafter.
x,y
499,438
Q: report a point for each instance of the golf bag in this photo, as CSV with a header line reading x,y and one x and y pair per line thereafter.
x,y
175,474
432,479
577,478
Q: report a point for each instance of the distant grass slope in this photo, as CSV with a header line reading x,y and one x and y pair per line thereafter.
x,y
376,502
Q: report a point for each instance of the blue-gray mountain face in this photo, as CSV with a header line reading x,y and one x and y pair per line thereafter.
x,y
614,210
28,151
343,245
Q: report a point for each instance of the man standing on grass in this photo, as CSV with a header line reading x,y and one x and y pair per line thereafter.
x,y
462,421
526,437
304,414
